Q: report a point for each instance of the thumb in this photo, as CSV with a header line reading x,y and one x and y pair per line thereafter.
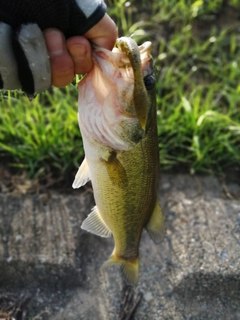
x,y
104,33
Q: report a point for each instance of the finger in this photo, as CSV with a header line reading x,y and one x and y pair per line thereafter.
x,y
61,61
104,33
80,50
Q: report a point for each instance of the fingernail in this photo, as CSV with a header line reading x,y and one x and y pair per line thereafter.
x,y
55,43
78,52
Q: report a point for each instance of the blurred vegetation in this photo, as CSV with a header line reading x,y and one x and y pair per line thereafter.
x,y
196,45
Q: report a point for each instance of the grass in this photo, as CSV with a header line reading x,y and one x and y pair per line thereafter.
x,y
197,52
41,138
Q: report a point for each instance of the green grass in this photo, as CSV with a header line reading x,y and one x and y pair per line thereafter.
x,y
199,101
42,134
197,52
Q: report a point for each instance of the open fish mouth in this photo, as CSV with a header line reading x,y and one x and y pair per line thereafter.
x,y
116,95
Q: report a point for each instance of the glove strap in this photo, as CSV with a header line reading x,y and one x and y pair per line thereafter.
x,y
8,66
32,58
24,62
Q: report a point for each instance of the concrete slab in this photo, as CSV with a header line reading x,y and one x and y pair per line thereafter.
x,y
193,274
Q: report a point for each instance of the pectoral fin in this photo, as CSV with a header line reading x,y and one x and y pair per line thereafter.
x,y
95,224
82,176
155,225
115,170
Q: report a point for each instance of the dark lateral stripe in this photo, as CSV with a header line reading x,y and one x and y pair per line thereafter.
x,y
24,72
1,82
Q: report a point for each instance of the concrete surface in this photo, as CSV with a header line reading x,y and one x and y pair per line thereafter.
x,y
193,274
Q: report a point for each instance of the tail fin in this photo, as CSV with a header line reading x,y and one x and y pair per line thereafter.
x,y
129,268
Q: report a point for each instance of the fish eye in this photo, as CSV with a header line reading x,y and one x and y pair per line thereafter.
x,y
149,82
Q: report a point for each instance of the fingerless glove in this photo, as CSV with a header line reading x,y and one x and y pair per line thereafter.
x,y
24,60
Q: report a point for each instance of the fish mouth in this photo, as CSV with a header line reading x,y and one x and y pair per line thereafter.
x,y
146,58
116,96
145,50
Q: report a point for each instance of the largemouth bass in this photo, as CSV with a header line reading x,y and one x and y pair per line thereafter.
x,y
117,119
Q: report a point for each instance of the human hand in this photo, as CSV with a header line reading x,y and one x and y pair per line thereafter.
x,y
40,47
73,56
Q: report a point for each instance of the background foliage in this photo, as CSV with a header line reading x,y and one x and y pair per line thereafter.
x,y
196,45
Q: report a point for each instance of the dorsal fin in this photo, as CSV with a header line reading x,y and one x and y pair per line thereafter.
x,y
155,225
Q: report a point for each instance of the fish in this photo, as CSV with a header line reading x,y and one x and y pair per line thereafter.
x,y
118,124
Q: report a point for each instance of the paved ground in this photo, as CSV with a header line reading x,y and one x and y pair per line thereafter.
x,y
193,274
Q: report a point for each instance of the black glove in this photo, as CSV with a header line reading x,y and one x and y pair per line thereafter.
x,y
24,60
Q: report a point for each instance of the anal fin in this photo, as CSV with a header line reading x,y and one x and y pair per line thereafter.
x,y
95,224
155,225
82,176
